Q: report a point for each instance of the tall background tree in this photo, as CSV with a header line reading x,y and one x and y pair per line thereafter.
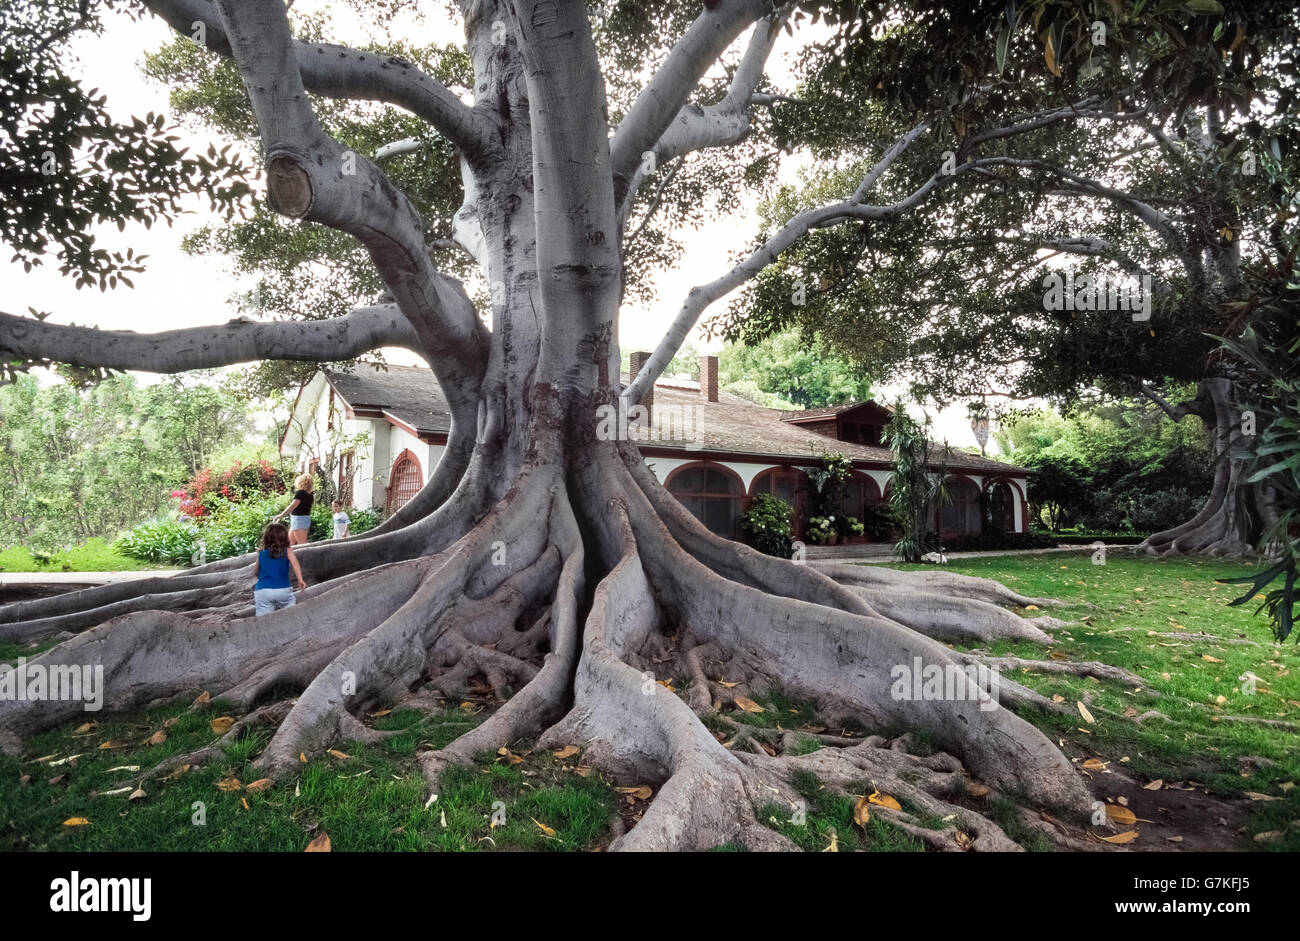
x,y
540,557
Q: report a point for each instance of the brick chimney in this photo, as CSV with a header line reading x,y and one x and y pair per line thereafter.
x,y
638,360
709,378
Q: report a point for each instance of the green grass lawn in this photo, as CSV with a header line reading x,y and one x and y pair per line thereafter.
x,y
375,798
95,556
1133,599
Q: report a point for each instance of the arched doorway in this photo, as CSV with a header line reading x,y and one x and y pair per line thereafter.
x,y
962,515
713,495
1000,513
862,501
404,481
791,485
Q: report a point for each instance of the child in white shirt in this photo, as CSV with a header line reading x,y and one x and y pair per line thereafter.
x,y
342,522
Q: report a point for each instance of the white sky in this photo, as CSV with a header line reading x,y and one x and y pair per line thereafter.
x,y
179,290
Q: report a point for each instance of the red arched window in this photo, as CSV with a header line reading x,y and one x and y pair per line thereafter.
x,y
712,493
962,515
791,485
861,499
404,481
1000,501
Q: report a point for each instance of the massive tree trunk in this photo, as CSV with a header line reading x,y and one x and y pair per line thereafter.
x,y
1236,512
540,558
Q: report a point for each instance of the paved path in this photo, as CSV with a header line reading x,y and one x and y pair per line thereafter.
x,y
78,578
953,556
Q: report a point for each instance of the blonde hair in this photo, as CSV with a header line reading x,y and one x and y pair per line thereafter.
x,y
304,482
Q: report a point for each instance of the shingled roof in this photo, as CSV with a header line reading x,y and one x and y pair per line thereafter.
x,y
732,425
409,394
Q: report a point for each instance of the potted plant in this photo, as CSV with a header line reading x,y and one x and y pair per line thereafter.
x,y
821,529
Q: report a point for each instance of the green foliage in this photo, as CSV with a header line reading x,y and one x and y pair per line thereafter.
x,y
804,374
67,165
77,464
95,555
163,541
766,524
914,491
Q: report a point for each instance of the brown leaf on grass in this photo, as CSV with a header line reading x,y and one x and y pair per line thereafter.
x,y
85,727
203,697
568,751
1095,764
1120,815
168,723
640,792
229,784
137,794
835,843
1130,712
341,755
1269,836
221,725
975,789
745,704
1256,796
727,685
75,822
1087,716
1057,655
112,744
963,839
261,784
549,831
861,813
380,713
319,845
1208,659
582,771
157,738
244,801
1128,836
1057,697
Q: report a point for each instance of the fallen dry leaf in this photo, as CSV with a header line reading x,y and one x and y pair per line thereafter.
x,y
1120,815
640,792
1087,716
75,822
861,815
975,789
568,751
229,784
1057,697
835,843
339,754
1256,796
1155,785
1208,659
319,845
1095,764
1128,836
157,738
726,684
381,712
884,800
549,831
202,698
137,794
261,784
745,704
222,724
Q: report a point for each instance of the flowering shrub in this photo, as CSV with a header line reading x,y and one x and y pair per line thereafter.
x,y
209,493
767,525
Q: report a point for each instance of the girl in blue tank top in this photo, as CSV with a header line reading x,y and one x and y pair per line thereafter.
x,y
274,561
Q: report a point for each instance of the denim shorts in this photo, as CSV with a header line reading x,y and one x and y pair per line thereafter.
x,y
266,600
299,522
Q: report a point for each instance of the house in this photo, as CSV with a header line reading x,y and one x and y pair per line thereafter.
x,y
713,450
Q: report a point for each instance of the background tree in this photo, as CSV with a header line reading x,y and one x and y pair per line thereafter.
x,y
800,372
604,579
1146,169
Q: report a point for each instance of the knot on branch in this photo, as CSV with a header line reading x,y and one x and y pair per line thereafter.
x,y
288,186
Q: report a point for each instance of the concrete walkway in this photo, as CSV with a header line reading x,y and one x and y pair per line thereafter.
x,y
983,553
78,578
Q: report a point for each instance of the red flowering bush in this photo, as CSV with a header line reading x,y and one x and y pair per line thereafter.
x,y
210,493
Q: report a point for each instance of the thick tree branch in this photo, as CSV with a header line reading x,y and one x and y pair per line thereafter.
x,y
238,341
662,99
341,72
311,176
700,298
727,122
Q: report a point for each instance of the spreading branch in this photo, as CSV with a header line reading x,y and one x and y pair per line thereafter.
x,y
238,341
